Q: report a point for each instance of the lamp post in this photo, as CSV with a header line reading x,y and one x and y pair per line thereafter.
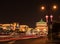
x,y
51,19
49,22
54,7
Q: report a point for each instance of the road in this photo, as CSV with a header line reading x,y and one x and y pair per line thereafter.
x,y
32,41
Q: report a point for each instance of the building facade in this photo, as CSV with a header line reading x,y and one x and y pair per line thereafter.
x,y
42,27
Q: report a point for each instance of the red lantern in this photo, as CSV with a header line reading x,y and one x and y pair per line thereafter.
x,y
46,18
51,17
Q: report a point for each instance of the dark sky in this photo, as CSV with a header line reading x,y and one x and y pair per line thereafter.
x,y
27,11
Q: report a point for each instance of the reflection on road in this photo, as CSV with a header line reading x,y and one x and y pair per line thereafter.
x,y
41,40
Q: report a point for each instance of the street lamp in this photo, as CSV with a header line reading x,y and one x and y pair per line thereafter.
x,y
50,11
54,7
46,18
42,7
51,17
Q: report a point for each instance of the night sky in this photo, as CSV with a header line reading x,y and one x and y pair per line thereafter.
x,y
27,11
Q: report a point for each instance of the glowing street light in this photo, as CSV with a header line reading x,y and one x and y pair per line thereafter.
x,y
42,8
46,18
54,7
51,17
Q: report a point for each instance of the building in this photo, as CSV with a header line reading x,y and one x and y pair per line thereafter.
x,y
16,26
29,31
5,26
12,26
42,27
23,28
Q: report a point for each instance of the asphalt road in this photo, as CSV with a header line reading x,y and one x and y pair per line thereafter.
x,y
32,41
